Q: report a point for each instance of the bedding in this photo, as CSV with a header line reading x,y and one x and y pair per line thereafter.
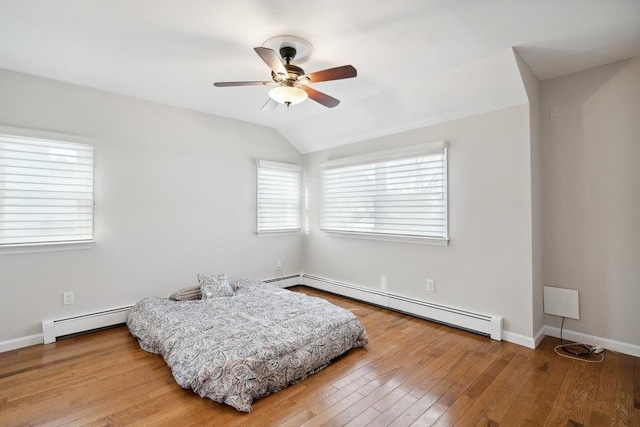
x,y
240,348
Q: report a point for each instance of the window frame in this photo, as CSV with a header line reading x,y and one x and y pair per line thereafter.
x,y
34,247
418,150
270,165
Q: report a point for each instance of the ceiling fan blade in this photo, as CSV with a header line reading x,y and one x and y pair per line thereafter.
x,y
229,84
271,59
320,98
344,72
270,105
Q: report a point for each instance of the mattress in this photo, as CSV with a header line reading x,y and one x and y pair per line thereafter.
x,y
240,348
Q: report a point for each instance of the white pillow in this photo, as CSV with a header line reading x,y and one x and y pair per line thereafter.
x,y
215,286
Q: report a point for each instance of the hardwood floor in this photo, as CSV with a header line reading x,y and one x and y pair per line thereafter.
x,y
413,372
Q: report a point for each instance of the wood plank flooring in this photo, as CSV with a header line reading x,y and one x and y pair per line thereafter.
x,y
413,372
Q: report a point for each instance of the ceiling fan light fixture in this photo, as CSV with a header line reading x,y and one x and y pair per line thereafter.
x,y
288,95
291,81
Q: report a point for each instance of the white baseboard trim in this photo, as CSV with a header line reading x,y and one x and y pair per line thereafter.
x,y
21,342
519,339
537,338
617,346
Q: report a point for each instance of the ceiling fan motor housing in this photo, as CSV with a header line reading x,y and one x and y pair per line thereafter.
x,y
288,53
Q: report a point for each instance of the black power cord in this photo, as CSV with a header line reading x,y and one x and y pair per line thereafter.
x,y
572,348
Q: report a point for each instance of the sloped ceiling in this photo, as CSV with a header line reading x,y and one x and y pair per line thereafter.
x,y
419,62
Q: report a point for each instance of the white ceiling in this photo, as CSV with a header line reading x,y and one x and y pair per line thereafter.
x,y
419,62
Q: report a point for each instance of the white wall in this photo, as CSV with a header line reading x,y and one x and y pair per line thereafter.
x,y
591,196
174,197
487,266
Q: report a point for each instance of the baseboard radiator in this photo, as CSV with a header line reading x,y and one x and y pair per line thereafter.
x,y
52,329
285,281
475,322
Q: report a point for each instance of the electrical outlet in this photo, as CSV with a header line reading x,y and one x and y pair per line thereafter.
x,y
279,265
68,298
431,285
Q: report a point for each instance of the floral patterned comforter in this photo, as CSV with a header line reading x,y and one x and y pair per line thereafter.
x,y
237,349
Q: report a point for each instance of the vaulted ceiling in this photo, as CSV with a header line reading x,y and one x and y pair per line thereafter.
x,y
419,62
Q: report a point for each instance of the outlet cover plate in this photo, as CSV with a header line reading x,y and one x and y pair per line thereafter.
x,y
68,298
431,285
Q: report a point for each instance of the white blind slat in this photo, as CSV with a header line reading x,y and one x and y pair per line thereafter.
x,y
30,164
364,170
46,191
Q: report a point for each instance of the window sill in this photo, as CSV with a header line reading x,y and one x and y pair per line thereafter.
x,y
45,247
435,241
278,233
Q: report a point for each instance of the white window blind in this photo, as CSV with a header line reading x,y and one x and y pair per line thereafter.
x,y
278,197
46,190
392,193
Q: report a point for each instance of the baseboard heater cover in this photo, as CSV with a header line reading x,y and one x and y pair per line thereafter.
x,y
52,329
285,281
475,322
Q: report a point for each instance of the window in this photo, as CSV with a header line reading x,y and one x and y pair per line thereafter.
x,y
278,197
46,188
396,193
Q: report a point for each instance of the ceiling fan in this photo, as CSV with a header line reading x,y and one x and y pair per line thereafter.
x,y
292,80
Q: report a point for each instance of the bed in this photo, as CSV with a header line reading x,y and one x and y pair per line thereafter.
x,y
236,349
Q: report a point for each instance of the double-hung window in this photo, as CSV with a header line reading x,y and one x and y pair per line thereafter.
x,y
399,193
46,189
278,197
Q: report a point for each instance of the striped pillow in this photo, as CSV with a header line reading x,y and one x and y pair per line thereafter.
x,y
187,294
